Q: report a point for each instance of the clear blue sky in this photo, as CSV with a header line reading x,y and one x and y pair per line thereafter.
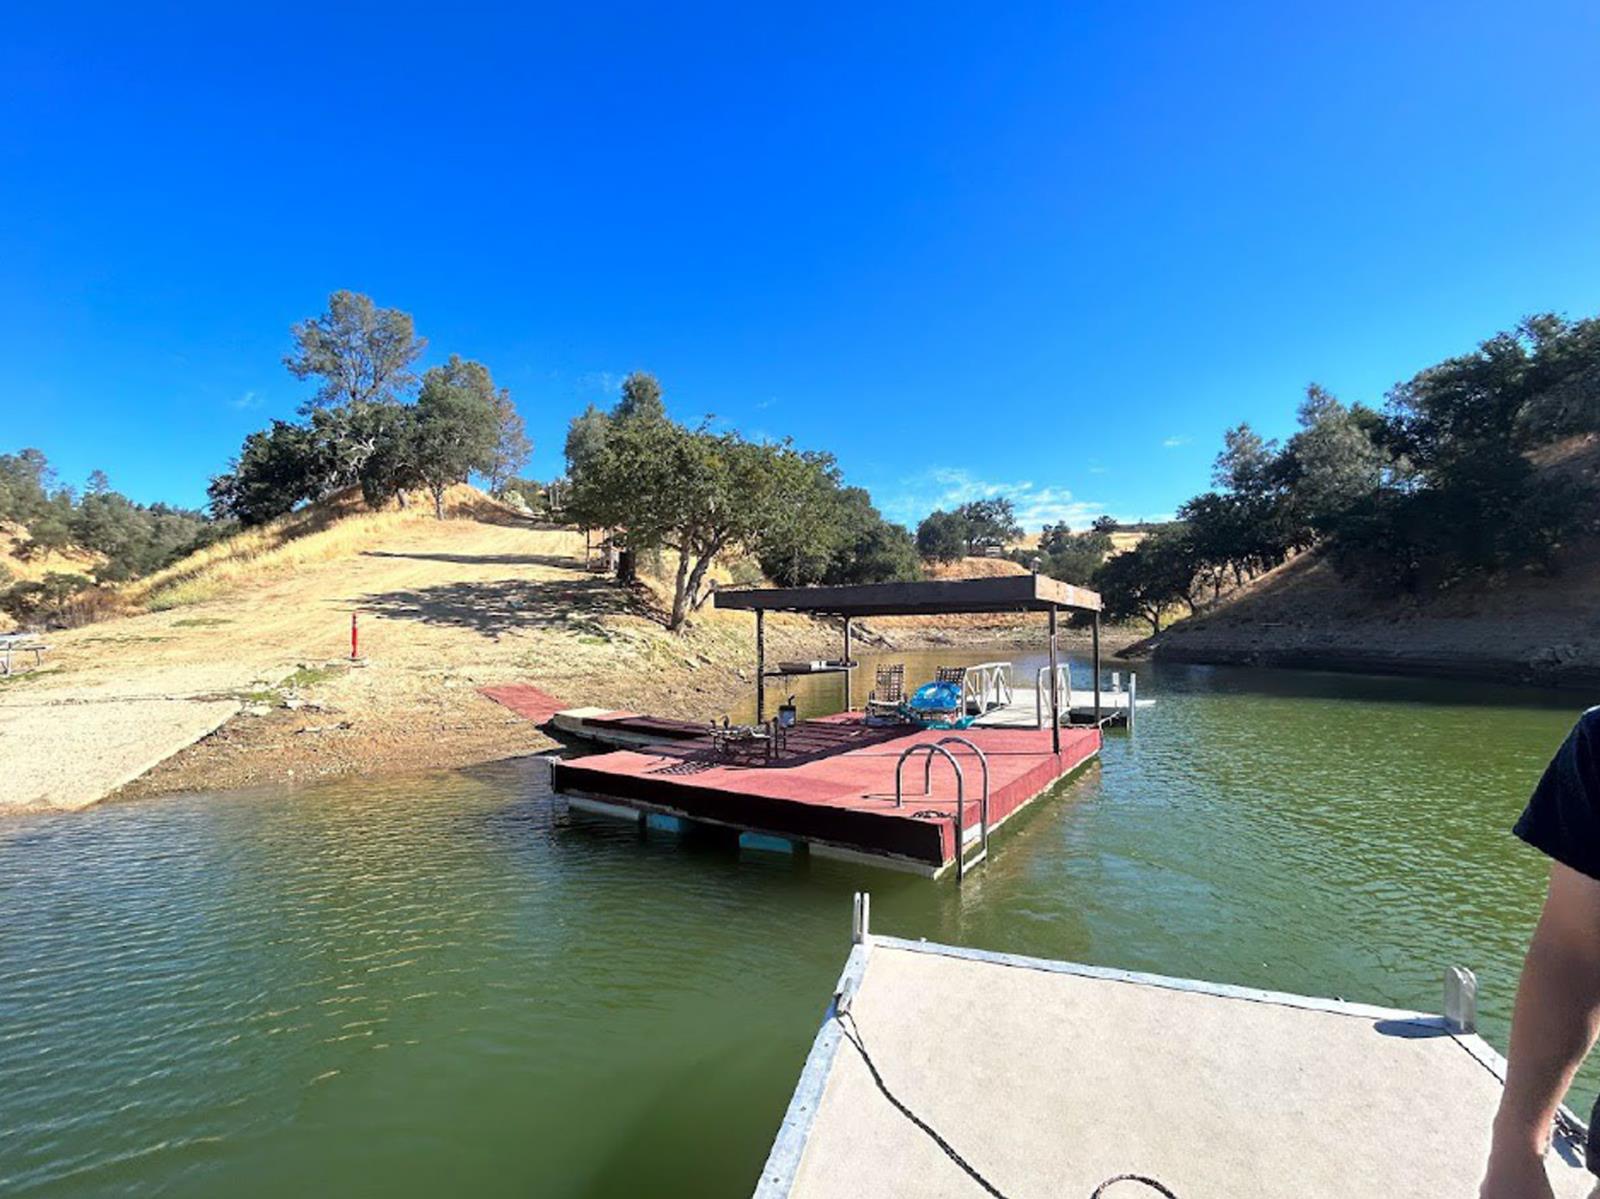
x,y
1055,248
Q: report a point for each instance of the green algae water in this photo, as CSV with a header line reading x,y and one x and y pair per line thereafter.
x,y
450,984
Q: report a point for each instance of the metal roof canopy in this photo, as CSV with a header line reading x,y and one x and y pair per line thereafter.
x,y
953,597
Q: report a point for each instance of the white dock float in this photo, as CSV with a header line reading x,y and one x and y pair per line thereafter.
x,y
1048,1078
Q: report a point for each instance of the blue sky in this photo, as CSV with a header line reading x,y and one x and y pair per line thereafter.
x,y
1053,249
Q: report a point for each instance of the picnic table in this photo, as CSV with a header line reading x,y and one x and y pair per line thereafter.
x,y
11,643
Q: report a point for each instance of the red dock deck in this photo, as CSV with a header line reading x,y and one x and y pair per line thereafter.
x,y
833,785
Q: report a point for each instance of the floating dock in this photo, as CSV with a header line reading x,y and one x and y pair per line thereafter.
x,y
1049,1078
829,788
896,794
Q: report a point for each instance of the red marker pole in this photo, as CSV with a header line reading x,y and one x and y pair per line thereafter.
x,y
354,638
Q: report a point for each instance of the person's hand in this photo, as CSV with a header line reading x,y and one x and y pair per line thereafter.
x,y
1515,1174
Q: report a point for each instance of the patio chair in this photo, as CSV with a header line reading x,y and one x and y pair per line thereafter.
x,y
888,693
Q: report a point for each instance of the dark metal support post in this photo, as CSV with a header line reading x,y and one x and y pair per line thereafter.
x,y
761,667
848,673
1097,671
1055,689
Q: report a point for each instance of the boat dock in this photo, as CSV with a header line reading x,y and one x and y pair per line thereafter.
x,y
1047,1078
890,784
830,789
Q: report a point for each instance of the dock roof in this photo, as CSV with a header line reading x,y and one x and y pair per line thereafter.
x,y
934,597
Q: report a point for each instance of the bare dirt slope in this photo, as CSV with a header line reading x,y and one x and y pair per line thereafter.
x,y
1528,628
445,607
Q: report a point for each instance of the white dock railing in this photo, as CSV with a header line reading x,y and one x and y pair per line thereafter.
x,y
985,687
1042,692
1118,700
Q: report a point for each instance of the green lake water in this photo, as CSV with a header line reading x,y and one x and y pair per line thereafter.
x,y
449,984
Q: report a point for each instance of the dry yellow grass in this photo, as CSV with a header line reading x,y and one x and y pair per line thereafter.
x,y
338,528
974,568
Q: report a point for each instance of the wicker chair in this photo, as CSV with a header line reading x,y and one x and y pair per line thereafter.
x,y
888,693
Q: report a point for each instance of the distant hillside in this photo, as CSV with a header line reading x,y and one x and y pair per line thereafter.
x,y
1525,627
16,563
974,568
20,566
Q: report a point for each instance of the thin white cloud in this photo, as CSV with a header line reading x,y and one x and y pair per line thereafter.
x,y
948,487
600,383
245,402
1177,439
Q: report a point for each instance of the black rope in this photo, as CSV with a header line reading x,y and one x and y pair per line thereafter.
x,y
852,1033
1155,1186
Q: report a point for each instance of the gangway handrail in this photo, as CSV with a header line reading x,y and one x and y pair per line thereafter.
x,y
984,682
1063,697
931,748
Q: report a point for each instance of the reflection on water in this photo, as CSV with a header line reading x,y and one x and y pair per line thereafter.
x,y
449,983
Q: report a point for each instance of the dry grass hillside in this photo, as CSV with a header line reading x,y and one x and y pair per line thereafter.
x,y
261,624
1527,627
17,566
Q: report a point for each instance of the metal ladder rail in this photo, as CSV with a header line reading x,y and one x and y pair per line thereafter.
x,y
983,807
961,790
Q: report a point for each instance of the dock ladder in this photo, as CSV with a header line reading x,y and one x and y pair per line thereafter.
x,y
963,863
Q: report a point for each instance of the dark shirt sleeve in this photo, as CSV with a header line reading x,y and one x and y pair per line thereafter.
x,y
1562,819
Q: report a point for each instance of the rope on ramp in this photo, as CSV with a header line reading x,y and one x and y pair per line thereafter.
x,y
852,1033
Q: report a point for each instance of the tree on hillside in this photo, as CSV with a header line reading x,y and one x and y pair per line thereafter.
x,y
511,447
1148,579
830,533
871,549
586,437
691,491
641,397
802,548
702,494
360,352
455,427
31,496
1333,461
1068,556
274,471
1564,400
390,454
942,536
1245,463
990,523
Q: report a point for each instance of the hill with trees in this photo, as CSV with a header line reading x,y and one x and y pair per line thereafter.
x,y
1475,479
59,544
379,426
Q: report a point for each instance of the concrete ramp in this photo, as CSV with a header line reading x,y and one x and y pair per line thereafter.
x,y
65,754
1048,1078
